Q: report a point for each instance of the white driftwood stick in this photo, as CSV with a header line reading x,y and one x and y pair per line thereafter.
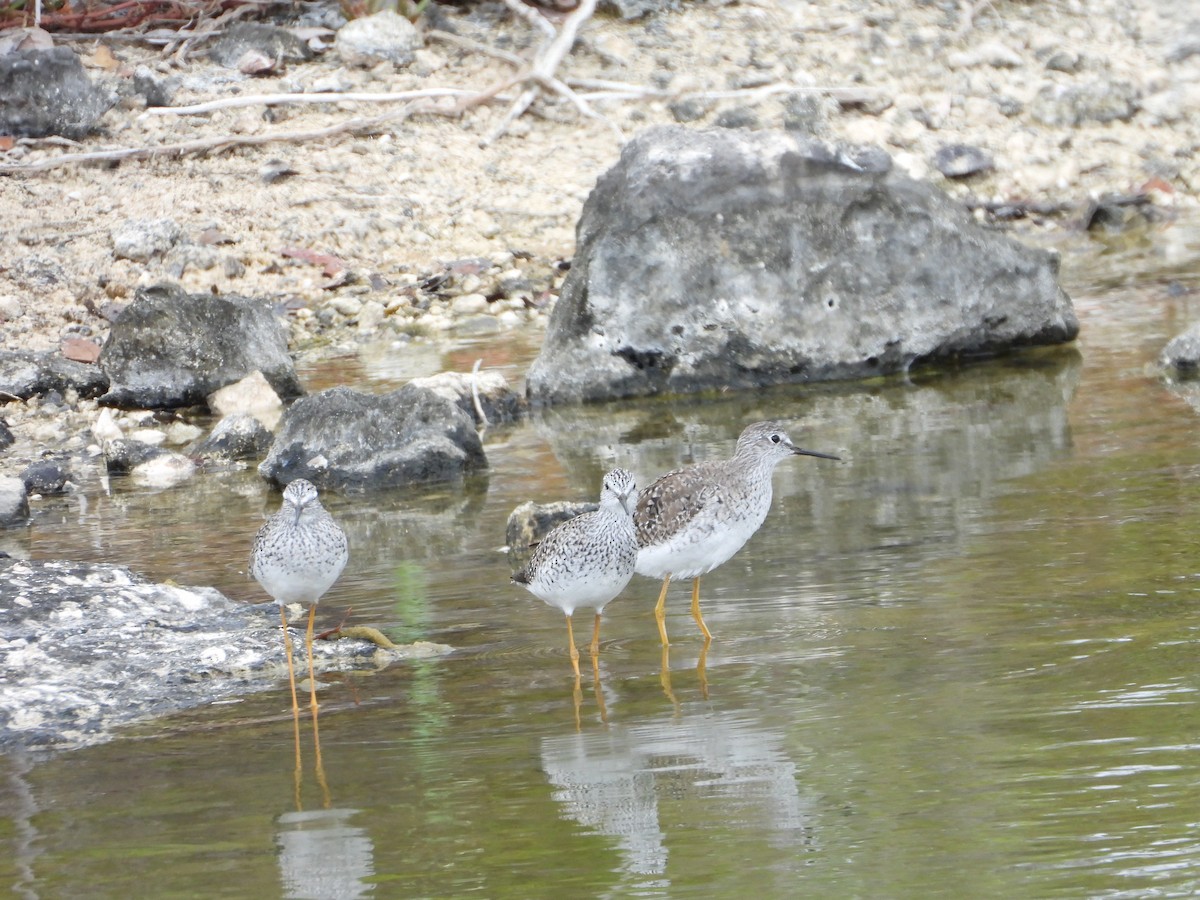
x,y
327,97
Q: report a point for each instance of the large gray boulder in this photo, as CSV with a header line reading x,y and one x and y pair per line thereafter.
x,y
350,441
169,348
715,259
85,649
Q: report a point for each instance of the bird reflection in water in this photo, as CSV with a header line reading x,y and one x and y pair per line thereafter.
x,y
612,782
664,676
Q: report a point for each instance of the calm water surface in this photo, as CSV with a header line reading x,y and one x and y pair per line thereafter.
x,y
963,662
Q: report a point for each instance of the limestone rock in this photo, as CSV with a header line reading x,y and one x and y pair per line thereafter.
x,y
169,348
727,259
351,441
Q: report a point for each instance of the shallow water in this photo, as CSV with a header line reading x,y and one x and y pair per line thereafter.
x,y
961,662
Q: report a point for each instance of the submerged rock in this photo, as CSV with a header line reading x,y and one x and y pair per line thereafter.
x,y
351,441
86,649
723,259
169,348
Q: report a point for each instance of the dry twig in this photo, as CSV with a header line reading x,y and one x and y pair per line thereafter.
x,y
216,144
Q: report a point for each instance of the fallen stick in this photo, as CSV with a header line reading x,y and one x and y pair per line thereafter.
x,y
326,97
225,142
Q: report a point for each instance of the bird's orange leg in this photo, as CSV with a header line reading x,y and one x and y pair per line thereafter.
x,y
660,612
287,644
312,678
596,638
696,608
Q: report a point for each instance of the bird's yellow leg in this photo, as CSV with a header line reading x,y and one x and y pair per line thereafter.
x,y
287,652
312,678
660,613
574,650
287,643
596,638
696,609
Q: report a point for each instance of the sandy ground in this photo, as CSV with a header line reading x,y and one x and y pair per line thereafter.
x,y
398,206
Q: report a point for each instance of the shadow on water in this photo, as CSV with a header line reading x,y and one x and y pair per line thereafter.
x,y
966,652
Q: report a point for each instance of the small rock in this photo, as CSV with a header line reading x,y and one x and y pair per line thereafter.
x,y
143,239
154,90
468,305
180,433
990,53
737,117
47,476
384,36
346,305
1063,61
14,502
271,41
1091,102
7,438
237,436
689,109
164,470
962,160
371,316
1182,353
10,308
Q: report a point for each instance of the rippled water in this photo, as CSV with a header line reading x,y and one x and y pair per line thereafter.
x,y
963,662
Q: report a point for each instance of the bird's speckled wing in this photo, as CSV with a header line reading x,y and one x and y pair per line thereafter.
x,y
670,503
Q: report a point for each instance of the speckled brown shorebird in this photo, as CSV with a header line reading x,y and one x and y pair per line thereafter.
x,y
691,520
586,561
297,556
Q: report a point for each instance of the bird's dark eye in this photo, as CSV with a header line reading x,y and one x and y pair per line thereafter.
x,y
775,439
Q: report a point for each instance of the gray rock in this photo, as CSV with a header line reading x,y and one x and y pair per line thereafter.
x,y
237,436
46,92
1181,355
7,438
637,9
1100,101
383,37
718,259
350,441
36,272
154,90
530,522
499,402
141,240
122,456
737,117
962,161
14,502
87,649
46,476
26,374
169,348
689,109
271,41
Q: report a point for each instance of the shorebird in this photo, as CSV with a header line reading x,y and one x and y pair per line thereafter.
x,y
588,560
692,520
297,556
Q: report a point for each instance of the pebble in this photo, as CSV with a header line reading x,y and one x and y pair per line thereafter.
x,y
468,305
